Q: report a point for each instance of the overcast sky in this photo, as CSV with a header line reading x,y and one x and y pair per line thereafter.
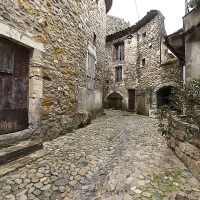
x,y
173,10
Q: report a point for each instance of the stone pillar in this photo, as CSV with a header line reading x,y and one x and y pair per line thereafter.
x,y
35,88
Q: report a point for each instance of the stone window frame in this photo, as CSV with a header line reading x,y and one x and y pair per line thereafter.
x,y
118,74
35,77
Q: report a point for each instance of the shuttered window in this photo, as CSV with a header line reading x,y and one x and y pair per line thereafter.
x,y
90,72
118,74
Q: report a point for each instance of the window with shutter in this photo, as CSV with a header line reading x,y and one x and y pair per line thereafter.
x,y
118,74
90,72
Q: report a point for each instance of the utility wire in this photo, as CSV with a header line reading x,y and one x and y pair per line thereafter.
x,y
137,10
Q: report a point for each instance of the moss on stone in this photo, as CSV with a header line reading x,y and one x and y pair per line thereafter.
x,y
42,39
47,102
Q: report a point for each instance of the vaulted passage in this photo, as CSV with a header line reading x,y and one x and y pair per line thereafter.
x,y
163,95
115,101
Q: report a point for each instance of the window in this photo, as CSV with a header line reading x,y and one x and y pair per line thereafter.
x,y
143,62
90,72
94,39
144,34
119,51
118,74
6,58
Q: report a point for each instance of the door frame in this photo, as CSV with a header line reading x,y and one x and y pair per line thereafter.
x,y
129,99
35,93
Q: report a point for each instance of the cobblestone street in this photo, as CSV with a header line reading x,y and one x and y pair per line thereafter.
x,y
120,156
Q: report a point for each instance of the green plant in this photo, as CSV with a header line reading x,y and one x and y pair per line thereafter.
x,y
193,3
163,117
185,100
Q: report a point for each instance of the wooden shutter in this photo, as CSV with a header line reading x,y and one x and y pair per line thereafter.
x,y
122,51
91,72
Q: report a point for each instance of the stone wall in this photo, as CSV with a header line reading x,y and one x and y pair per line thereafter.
x,y
64,29
146,78
115,24
185,144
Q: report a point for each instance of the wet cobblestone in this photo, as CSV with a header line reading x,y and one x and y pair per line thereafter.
x,y
120,156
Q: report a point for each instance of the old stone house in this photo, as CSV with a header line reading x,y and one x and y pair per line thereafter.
x,y
185,44
51,53
139,77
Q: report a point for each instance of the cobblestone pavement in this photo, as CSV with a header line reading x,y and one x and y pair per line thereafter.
x,y
120,156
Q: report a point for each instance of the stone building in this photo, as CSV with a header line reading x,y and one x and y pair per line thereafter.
x,y
139,77
115,24
51,55
185,44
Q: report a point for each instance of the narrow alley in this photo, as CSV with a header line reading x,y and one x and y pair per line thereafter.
x,y
119,156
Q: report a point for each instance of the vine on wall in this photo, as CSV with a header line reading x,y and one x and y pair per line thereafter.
x,y
184,100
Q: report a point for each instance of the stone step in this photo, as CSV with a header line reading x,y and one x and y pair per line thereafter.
x,y
19,150
21,162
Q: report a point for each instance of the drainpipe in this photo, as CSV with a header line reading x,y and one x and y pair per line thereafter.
x,y
160,50
184,75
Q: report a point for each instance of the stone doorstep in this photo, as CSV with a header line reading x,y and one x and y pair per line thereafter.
x,y
21,162
19,150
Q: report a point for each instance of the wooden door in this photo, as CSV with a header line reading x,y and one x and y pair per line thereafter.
x,y
141,105
131,99
14,79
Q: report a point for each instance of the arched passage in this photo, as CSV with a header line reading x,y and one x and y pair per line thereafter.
x,y
115,101
163,95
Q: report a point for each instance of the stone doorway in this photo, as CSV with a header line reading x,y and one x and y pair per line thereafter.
x,y
163,95
141,110
14,80
115,101
131,99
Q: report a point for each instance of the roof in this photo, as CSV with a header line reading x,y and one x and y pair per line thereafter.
x,y
108,5
145,20
176,34
175,43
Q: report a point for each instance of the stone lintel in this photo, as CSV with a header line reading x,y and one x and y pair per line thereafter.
x,y
16,36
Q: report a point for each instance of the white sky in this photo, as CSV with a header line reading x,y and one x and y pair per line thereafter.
x,y
173,10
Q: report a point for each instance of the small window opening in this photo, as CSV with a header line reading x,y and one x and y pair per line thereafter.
x,y
94,39
143,62
144,34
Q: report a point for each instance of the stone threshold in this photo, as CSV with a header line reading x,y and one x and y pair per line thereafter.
x,y
21,149
21,162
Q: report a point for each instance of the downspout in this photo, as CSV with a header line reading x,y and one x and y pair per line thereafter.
x,y
184,75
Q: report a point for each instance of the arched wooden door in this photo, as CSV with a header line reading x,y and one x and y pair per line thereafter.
x,y
115,101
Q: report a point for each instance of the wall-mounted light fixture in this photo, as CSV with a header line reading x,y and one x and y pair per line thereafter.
x,y
129,38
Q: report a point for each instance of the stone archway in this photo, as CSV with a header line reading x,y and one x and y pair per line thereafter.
x,y
115,101
159,88
163,95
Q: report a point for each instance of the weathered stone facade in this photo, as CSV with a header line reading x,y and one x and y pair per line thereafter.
x,y
143,68
61,35
191,26
115,24
185,143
